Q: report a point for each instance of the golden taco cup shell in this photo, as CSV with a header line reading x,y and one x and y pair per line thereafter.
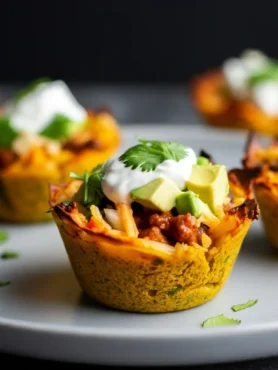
x,y
266,193
140,275
211,98
260,167
24,185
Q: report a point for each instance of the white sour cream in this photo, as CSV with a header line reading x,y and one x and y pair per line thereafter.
x,y
33,112
237,72
265,95
119,181
236,76
253,60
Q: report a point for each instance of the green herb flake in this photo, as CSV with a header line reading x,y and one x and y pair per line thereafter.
x,y
226,259
150,153
3,236
220,320
50,210
242,306
66,202
4,283
175,290
9,255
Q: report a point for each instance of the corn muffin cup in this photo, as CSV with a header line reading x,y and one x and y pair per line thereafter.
x,y
24,185
266,193
140,275
261,171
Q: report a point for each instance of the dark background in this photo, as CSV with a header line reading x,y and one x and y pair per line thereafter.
x,y
129,41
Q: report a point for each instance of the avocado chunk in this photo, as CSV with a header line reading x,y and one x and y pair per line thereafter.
x,y
189,202
159,194
61,127
211,183
201,161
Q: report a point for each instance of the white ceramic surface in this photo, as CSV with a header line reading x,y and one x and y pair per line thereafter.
x,y
43,312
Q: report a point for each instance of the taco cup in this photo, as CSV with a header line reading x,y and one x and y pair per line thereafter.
x,y
240,94
261,166
42,141
151,254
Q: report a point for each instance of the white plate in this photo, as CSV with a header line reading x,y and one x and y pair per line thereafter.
x,y
43,312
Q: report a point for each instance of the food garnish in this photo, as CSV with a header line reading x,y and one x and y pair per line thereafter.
x,y
242,306
93,193
3,236
4,283
220,320
9,255
150,153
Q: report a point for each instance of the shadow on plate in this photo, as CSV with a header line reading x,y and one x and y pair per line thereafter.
x,y
57,286
54,287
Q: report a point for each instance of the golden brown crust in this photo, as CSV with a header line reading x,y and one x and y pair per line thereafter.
x,y
248,209
211,98
241,181
261,164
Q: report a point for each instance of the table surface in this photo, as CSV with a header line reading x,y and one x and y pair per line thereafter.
x,y
159,104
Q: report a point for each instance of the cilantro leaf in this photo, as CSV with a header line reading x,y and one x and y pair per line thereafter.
x,y
93,193
8,134
9,255
3,236
4,283
220,320
150,153
242,306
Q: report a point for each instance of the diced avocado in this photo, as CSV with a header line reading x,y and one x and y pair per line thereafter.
x,y
159,194
189,202
201,161
8,134
211,183
60,127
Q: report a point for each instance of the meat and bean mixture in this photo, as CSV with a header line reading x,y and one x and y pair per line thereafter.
x,y
169,228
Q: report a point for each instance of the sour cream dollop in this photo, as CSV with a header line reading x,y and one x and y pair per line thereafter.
x,y
237,72
118,181
34,111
